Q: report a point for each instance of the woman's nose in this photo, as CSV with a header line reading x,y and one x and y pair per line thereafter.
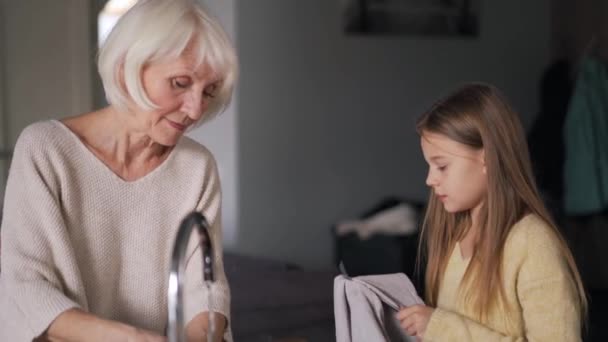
x,y
193,105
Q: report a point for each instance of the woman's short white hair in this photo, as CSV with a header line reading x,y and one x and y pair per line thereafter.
x,y
162,29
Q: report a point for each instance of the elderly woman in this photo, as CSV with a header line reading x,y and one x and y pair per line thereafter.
x,y
93,201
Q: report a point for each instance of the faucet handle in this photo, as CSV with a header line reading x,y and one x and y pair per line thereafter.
x,y
206,245
208,264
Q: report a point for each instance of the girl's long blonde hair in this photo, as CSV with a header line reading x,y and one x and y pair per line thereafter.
x,y
478,116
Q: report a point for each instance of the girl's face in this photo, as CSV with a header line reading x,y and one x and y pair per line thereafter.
x,y
457,173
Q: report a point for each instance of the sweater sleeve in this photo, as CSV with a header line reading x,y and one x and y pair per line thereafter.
x,y
38,267
545,291
450,326
197,298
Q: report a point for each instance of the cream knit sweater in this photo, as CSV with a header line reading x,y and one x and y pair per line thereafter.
x,y
75,235
541,294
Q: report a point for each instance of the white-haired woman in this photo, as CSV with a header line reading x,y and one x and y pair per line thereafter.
x,y
93,201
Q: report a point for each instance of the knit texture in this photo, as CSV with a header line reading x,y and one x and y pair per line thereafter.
x,y
541,294
75,235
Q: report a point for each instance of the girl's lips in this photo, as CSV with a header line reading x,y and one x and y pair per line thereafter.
x,y
442,197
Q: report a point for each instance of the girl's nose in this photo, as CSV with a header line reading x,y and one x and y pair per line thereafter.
x,y
430,179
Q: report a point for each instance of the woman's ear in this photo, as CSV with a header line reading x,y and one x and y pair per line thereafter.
x,y
121,77
483,161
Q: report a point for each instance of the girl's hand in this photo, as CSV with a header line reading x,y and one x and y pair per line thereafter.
x,y
414,319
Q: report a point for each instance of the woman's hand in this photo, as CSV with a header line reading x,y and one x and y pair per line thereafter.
x,y
77,325
196,329
414,319
140,335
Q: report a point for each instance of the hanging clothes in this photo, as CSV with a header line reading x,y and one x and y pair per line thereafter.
x,y
586,140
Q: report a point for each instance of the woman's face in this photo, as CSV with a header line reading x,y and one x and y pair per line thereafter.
x,y
457,173
182,90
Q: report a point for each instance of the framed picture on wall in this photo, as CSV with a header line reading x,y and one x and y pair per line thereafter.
x,y
412,17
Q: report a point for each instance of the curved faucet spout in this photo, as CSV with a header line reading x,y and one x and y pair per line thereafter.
x,y
175,328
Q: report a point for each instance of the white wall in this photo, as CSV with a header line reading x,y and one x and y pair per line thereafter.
x,y
46,62
220,136
326,122
44,65
4,162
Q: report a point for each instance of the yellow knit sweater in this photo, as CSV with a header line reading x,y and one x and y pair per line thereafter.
x,y
541,294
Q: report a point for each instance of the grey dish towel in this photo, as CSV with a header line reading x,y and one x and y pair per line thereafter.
x,y
365,307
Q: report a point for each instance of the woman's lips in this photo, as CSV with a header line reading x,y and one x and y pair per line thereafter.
x,y
177,126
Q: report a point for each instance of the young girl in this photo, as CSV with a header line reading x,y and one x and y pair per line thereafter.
x,y
497,267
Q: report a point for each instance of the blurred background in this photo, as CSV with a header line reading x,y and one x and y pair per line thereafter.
x,y
321,129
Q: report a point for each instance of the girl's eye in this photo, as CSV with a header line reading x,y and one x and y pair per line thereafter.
x,y
442,168
180,82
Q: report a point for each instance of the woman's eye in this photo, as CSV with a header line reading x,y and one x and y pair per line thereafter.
x,y
442,168
210,91
180,82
